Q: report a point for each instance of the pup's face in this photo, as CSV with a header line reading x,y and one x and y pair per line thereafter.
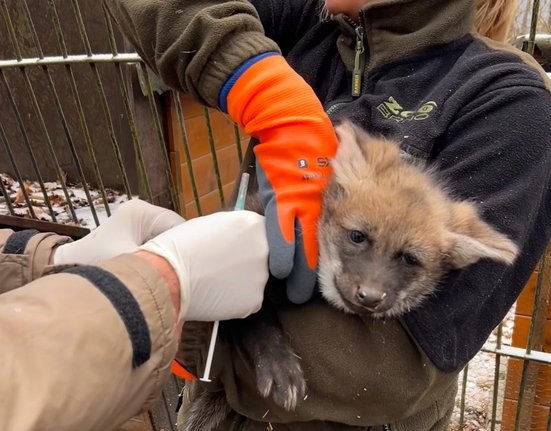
x,y
388,232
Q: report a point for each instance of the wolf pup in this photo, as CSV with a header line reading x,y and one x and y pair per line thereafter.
x,y
388,233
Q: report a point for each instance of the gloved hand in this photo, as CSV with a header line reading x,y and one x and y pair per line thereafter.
x,y
297,141
134,223
221,261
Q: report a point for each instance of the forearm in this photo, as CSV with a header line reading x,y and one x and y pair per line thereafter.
x,y
92,346
194,46
167,273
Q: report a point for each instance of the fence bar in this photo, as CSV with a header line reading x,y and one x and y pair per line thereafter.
x,y
237,138
214,156
536,338
49,144
87,138
496,378
7,197
530,45
110,31
11,31
111,130
34,34
104,105
521,416
67,133
81,28
541,304
17,171
17,51
71,59
127,107
103,99
181,123
517,352
160,137
70,143
38,114
28,145
463,397
134,133
78,104
57,28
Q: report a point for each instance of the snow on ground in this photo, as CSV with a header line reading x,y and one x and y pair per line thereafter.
x,y
480,385
56,195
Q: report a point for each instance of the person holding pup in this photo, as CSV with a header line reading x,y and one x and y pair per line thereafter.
x,y
415,71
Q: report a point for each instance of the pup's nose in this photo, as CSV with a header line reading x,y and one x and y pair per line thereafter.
x,y
369,298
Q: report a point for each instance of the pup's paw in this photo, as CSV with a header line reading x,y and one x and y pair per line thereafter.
x,y
282,379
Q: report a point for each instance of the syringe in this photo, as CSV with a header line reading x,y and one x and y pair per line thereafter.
x,y
239,205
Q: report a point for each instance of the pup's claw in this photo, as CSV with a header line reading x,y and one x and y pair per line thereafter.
x,y
282,379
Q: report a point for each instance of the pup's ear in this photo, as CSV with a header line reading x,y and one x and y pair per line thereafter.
x,y
349,162
333,196
471,239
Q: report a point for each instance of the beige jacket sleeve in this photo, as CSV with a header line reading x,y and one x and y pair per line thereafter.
x,y
82,349
26,256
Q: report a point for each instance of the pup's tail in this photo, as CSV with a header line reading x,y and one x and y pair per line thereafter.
x,y
202,410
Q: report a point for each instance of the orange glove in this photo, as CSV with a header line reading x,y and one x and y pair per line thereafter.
x,y
297,141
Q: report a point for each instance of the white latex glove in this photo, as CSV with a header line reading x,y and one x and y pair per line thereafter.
x,y
221,261
134,223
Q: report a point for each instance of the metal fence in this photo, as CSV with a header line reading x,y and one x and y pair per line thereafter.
x,y
60,79
82,129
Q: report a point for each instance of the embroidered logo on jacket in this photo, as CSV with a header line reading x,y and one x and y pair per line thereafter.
x,y
392,110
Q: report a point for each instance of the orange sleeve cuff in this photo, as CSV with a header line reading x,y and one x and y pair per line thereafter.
x,y
181,372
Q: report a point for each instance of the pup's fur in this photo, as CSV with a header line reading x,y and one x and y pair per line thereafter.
x,y
388,233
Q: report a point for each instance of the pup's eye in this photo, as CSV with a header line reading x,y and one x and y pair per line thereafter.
x,y
356,236
409,259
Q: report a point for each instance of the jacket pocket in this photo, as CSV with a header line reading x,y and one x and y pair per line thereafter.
x,y
14,270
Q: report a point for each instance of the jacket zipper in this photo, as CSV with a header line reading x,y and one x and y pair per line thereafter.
x,y
357,73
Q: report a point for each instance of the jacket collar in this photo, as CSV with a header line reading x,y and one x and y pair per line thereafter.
x,y
395,29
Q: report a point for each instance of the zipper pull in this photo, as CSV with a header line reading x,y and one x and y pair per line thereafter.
x,y
180,400
357,72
